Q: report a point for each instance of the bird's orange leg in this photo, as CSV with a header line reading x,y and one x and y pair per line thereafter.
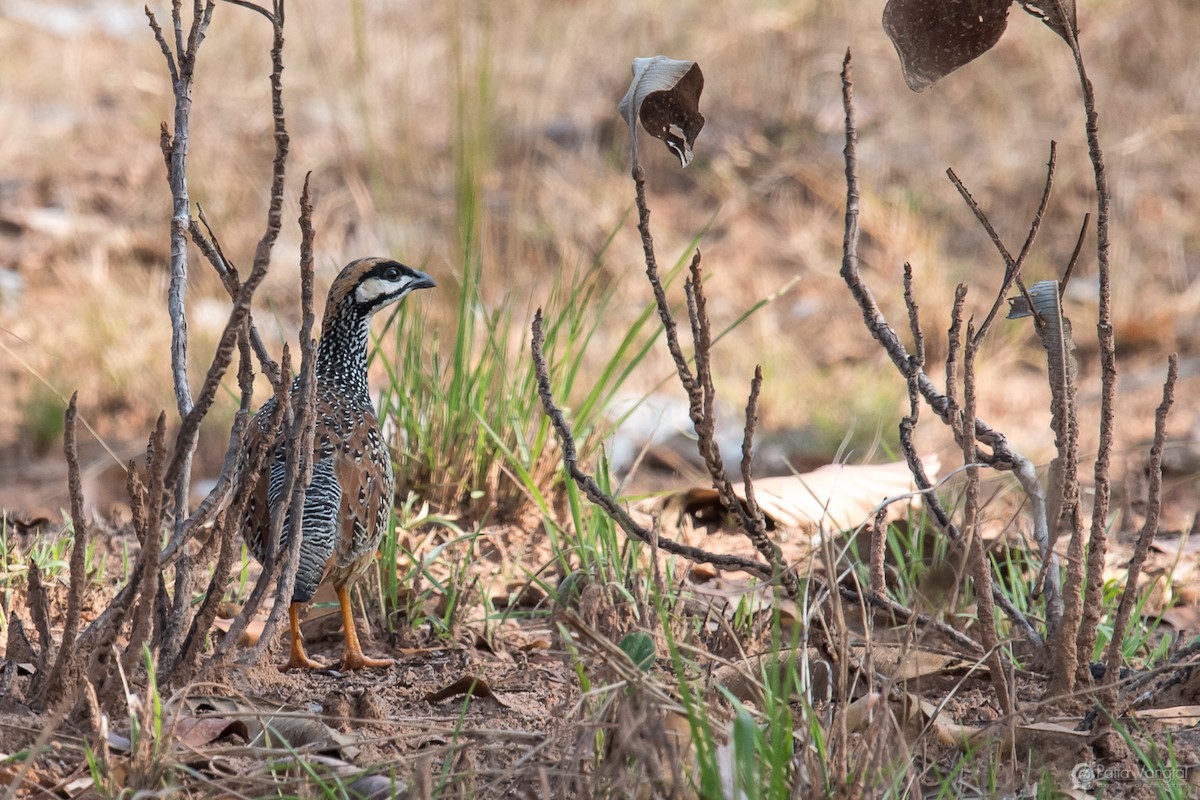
x,y
354,658
298,658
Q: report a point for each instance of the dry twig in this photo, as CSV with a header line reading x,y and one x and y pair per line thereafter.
x,y
593,491
1098,538
62,676
1002,456
702,394
980,565
300,438
1149,530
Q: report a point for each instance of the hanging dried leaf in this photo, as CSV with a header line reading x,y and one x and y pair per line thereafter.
x,y
665,95
935,37
1057,15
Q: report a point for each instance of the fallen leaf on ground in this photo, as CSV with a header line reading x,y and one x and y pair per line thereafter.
x,y
834,497
1175,716
466,685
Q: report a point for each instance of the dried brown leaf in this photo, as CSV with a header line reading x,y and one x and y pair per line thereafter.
x,y
1175,716
935,37
196,732
832,497
1048,11
467,685
665,96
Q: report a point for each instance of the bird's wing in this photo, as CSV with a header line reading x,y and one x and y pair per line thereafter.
x,y
366,502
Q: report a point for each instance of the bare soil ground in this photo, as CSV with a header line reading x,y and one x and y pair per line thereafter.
x,y
83,244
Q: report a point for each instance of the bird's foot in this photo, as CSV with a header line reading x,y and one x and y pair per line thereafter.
x,y
300,660
356,660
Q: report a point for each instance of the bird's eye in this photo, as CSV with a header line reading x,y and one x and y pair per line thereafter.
x,y
393,274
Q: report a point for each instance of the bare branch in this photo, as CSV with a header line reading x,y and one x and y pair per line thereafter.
x,y
211,248
149,575
1012,267
592,490
1070,270
980,566
1002,456
166,48
1149,530
62,677
1098,539
178,472
878,552
953,346
39,612
270,560
226,528
748,449
660,294
253,7
300,453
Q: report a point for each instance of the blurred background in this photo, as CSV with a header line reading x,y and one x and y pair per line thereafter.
x,y
479,132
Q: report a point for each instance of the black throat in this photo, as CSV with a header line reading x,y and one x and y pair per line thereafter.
x,y
342,352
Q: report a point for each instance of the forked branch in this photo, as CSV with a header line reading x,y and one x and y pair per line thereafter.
x,y
595,494
702,395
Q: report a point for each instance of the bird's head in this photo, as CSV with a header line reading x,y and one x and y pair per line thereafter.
x,y
373,283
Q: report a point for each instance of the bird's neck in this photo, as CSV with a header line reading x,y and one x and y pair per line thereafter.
x,y
342,352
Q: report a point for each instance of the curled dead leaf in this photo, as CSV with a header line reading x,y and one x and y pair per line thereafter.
x,y
908,663
665,95
520,594
196,732
1056,18
250,635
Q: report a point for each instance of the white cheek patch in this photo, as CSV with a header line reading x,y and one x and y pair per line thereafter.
x,y
372,289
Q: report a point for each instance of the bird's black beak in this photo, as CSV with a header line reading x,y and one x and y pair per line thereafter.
x,y
422,281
